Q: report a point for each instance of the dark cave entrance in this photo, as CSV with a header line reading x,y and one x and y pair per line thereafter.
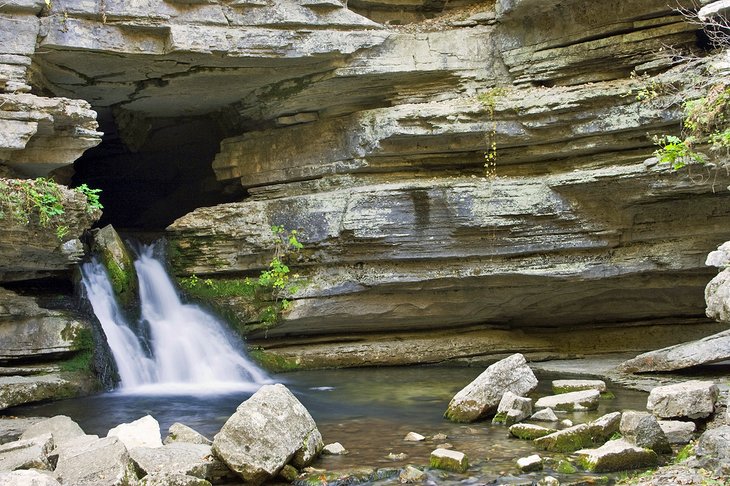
x,y
152,171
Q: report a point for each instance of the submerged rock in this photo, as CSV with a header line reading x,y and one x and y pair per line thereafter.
x,y
530,463
567,386
266,432
482,396
334,449
617,455
143,432
691,399
411,474
414,437
573,401
544,415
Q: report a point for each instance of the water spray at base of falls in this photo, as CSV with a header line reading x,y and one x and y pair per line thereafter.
x,y
189,351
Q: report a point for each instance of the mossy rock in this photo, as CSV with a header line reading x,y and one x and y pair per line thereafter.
x,y
449,460
346,477
566,467
273,362
567,440
529,431
119,264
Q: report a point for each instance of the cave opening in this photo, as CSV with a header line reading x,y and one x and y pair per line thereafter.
x,y
154,170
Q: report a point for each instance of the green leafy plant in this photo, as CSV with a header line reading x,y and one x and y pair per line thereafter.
x,y
705,123
39,201
270,289
489,100
92,197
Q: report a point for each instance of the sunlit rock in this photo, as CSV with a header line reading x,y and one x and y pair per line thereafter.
x,y
143,432
691,399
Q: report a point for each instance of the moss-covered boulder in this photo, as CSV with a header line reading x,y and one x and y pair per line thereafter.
x,y
118,261
530,431
617,455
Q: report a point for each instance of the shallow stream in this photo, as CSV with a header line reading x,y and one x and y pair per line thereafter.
x,y
367,410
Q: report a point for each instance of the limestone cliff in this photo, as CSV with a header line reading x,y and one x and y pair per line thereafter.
x,y
467,179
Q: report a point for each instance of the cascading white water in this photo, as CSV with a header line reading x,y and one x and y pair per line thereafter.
x,y
190,351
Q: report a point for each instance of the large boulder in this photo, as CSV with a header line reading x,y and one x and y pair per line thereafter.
x,y
617,455
118,261
692,399
481,397
642,429
713,450
89,461
266,432
61,427
143,432
26,454
572,401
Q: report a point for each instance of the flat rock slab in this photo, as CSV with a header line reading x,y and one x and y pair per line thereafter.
x,y
581,435
177,458
530,431
579,400
530,463
449,460
691,399
92,461
481,397
18,390
710,349
567,386
617,455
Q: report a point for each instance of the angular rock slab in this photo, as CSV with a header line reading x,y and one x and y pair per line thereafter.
x,y
512,409
544,415
266,432
61,427
713,450
11,429
182,433
482,396
567,386
28,477
178,458
692,399
449,460
530,463
581,435
677,431
710,349
530,431
143,432
579,400
617,455
95,462
26,454
643,430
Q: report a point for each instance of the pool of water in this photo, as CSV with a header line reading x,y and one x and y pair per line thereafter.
x,y
368,411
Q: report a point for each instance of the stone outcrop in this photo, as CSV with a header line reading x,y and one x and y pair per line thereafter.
x,y
482,396
45,353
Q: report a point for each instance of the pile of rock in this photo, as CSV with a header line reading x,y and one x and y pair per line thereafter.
x,y
614,442
268,433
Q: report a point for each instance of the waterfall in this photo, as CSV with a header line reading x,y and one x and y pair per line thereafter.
x,y
189,350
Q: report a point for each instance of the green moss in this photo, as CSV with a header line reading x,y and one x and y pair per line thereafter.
x,y
83,343
273,362
566,467
608,395
685,453
449,464
123,282
207,289
529,432
500,418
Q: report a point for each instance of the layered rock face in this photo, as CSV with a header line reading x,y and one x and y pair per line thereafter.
x,y
471,182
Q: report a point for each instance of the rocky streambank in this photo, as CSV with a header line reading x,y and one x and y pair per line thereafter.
x,y
558,438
